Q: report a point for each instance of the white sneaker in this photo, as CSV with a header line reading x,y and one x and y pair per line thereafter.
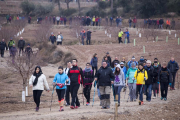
x,y
154,97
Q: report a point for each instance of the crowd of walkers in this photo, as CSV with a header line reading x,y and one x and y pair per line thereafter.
x,y
142,77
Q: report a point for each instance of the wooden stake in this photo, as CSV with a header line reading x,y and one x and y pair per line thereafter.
x,y
144,49
134,42
178,41
116,109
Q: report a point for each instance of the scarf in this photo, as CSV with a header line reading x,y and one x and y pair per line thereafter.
x,y
37,75
156,66
173,61
133,68
87,69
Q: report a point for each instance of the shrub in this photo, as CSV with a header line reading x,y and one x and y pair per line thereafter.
x,y
42,10
103,5
66,12
27,7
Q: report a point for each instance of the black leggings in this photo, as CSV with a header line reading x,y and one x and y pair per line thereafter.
x,y
37,95
164,89
59,43
120,40
87,90
60,93
74,90
67,94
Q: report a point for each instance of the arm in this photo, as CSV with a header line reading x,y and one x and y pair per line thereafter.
x,y
127,75
112,76
177,68
123,79
55,79
31,81
146,75
6,46
46,83
170,78
135,75
82,76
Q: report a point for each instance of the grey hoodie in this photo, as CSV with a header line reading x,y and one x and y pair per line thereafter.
x,y
119,79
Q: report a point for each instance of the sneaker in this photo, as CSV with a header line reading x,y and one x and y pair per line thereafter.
x,y
161,98
37,109
72,107
154,97
67,104
142,103
77,107
103,107
165,99
118,104
87,104
139,102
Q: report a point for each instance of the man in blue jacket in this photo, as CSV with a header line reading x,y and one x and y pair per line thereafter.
x,y
173,68
127,36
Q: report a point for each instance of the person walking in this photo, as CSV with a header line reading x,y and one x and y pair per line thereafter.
x,y
96,20
88,41
108,57
3,46
10,44
60,81
52,38
168,24
157,68
37,82
83,35
67,93
28,51
75,73
149,81
54,20
87,83
93,20
120,36
21,45
141,76
29,19
127,36
117,21
131,82
165,79
13,52
59,39
115,61
134,21
161,22
105,78
123,68
94,63
173,68
130,22
57,19
119,82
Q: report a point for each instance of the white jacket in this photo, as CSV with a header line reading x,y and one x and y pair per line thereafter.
x,y
59,38
40,84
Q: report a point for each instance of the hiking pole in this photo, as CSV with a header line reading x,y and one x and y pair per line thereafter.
x,y
94,92
52,96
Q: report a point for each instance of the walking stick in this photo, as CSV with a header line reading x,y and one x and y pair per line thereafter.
x,y
52,96
94,92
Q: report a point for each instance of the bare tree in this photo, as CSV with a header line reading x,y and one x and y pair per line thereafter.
x,y
111,6
67,2
79,6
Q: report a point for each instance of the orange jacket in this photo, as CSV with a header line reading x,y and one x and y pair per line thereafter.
x,y
168,22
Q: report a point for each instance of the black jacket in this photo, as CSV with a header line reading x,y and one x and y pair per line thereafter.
x,y
156,73
52,38
104,76
28,51
76,75
88,77
150,75
3,45
173,67
109,59
89,34
164,76
21,44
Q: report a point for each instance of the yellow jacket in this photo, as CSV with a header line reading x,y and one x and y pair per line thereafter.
x,y
93,19
120,34
140,76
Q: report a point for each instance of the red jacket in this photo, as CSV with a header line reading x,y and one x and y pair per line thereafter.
x,y
134,20
96,20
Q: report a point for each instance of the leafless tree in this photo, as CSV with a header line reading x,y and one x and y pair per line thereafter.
x,y
67,2
79,7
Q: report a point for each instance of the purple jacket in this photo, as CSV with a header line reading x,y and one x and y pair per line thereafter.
x,y
13,51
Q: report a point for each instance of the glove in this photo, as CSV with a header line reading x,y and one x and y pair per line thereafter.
x,y
158,82
169,84
133,78
144,78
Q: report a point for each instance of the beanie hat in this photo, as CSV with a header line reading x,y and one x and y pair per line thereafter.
x,y
121,63
133,64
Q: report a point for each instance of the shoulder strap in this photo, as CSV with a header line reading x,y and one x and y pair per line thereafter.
x,y
144,72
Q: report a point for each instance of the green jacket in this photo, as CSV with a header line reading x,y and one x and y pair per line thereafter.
x,y
130,75
11,42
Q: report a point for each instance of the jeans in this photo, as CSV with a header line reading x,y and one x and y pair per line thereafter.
x,y
132,91
99,94
95,69
140,90
173,79
117,90
148,90
88,41
126,39
130,25
82,40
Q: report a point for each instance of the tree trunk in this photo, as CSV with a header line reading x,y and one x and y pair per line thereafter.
x,y
59,6
67,4
79,6
112,6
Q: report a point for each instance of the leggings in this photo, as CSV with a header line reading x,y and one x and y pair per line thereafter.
x,y
164,89
60,93
87,90
74,90
37,95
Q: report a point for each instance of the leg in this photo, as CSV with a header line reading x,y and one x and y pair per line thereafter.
x,y
61,43
150,92
128,39
85,91
99,94
87,41
107,96
93,69
130,91
119,39
119,93
173,80
154,89
134,91
57,43
34,96
102,93
2,53
38,95
162,90
67,94
62,97
76,88
166,90
96,69
88,93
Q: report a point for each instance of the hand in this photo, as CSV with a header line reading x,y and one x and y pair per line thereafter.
x,y
95,79
127,84
158,82
48,90
67,81
133,78
54,84
169,84
144,78
112,82
30,86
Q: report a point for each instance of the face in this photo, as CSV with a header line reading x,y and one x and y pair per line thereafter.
x,y
140,67
117,69
133,60
155,64
95,55
3,40
144,64
164,66
105,58
122,65
104,64
60,71
107,54
69,64
148,64
172,59
74,62
87,66
116,58
37,70
58,32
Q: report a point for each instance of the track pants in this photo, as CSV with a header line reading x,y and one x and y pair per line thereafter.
x,y
87,91
164,89
36,96
67,94
105,92
132,91
155,88
74,90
